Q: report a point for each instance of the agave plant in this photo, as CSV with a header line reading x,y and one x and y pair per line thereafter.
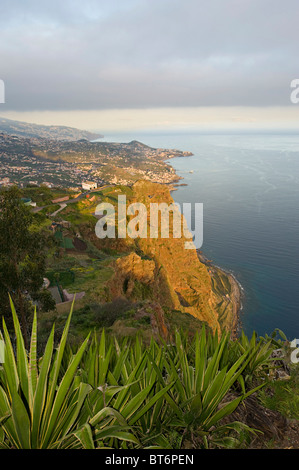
x,y
198,398
129,383
40,406
260,361
124,394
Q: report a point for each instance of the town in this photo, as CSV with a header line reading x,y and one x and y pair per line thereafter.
x,y
62,164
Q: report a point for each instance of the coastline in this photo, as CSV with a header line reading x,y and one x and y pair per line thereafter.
x,y
236,293
235,296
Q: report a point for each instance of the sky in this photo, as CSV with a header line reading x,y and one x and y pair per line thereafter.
x,y
111,65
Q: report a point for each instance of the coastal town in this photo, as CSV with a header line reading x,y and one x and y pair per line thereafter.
x,y
54,163
34,172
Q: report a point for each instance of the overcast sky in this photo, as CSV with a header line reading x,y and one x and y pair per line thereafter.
x,y
112,56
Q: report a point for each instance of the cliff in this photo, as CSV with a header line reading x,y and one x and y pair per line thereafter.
x,y
163,271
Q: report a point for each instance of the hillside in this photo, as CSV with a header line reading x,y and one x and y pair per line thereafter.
x,y
176,276
154,356
23,129
143,284
66,164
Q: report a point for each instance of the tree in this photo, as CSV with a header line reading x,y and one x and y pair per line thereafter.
x,y
23,248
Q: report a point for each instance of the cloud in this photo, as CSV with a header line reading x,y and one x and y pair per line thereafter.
x,y
137,54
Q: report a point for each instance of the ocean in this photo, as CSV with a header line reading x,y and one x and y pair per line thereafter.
x,y
249,187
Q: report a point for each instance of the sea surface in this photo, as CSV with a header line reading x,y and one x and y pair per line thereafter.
x,y
249,187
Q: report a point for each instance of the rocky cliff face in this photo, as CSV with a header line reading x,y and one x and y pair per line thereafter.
x,y
163,271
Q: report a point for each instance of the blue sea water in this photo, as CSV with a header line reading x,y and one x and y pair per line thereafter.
x,y
249,186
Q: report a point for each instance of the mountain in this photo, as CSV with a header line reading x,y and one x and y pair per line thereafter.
x,y
24,129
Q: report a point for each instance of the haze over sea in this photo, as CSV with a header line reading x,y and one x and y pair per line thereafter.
x,y
249,185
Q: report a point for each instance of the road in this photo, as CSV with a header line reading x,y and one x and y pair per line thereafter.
x,y
71,201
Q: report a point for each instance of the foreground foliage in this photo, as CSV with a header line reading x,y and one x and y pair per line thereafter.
x,y
125,395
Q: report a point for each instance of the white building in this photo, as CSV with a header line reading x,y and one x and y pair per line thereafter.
x,y
88,185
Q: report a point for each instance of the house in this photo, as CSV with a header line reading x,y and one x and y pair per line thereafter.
x,y
48,185
5,182
88,185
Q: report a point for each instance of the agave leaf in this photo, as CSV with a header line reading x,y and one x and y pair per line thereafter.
x,y
107,412
136,402
72,410
7,422
33,374
85,437
103,367
41,391
22,360
9,365
158,396
61,393
21,421
224,411
116,432
131,379
57,363
200,359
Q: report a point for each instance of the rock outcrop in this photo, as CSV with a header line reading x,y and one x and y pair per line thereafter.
x,y
161,269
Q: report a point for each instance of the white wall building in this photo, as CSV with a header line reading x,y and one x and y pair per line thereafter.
x,y
88,185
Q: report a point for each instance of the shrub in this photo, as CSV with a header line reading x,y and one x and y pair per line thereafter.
x,y
105,393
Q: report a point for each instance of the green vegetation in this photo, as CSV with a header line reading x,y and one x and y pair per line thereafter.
x,y
64,242
91,316
24,246
80,273
42,195
82,263
283,396
106,393
129,367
